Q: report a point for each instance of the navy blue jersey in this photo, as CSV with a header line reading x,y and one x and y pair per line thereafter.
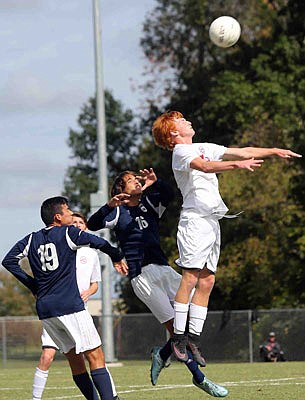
x,y
137,227
52,256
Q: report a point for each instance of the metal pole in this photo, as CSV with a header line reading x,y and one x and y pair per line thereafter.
x,y
4,342
101,197
250,334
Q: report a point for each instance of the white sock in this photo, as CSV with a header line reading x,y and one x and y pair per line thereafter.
x,y
181,311
197,316
114,392
39,383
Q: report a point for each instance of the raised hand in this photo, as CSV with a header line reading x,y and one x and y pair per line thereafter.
x,y
119,199
148,176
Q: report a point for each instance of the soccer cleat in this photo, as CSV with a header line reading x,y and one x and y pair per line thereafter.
x,y
211,388
193,343
179,347
157,364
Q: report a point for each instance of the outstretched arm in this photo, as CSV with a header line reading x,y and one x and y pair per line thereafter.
x,y
222,166
257,152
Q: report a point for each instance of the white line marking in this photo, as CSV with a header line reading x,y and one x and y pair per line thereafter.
x,y
299,380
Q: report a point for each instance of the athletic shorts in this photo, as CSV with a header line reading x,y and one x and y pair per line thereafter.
x,y
198,241
73,330
46,340
156,287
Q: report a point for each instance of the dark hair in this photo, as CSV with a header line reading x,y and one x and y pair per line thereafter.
x,y
80,215
50,207
118,185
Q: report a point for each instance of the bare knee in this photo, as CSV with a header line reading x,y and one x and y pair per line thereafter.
x,y
206,282
46,358
189,279
96,358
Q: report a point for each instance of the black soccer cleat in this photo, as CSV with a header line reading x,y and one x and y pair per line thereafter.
x,y
193,343
179,342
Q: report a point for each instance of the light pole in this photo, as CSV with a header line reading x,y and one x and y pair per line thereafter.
x,y
100,198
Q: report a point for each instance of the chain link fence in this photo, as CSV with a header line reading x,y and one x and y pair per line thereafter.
x,y
229,336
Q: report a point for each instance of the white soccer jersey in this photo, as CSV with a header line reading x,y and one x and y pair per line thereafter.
x,y
87,268
199,189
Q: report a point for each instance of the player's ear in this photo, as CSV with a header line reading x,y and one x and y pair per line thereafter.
x,y
174,133
57,217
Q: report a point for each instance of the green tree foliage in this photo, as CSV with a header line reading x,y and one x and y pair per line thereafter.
x,y
122,138
188,66
263,253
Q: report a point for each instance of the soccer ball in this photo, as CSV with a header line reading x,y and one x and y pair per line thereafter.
x,y
224,31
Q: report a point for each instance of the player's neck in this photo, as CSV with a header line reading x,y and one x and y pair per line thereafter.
x,y
134,200
183,140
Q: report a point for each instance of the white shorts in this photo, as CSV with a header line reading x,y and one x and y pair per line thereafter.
x,y
73,330
46,340
156,287
198,241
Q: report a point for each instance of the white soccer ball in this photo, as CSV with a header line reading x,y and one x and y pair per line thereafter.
x,y
224,31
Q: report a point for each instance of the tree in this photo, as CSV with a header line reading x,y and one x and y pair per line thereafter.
x,y
185,63
122,138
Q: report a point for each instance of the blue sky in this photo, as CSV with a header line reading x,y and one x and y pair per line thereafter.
x,y
46,75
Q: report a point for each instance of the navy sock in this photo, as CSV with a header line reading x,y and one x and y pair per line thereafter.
x,y
86,386
102,382
193,367
166,350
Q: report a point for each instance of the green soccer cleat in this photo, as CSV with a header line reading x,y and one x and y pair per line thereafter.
x,y
157,364
211,388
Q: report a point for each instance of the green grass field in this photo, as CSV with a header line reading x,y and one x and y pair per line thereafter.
x,y
279,381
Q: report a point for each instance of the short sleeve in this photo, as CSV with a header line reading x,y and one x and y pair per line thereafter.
x,y
183,155
217,151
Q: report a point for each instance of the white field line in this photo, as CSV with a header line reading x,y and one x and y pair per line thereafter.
x,y
146,388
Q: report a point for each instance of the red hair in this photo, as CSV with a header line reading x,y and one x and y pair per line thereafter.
x,y
162,128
